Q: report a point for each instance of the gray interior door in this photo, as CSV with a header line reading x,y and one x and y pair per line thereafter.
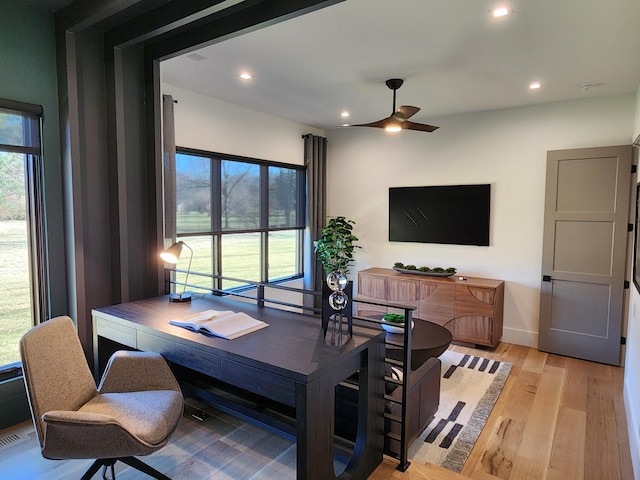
x,y
584,252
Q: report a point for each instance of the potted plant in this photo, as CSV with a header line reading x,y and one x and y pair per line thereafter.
x,y
336,245
335,249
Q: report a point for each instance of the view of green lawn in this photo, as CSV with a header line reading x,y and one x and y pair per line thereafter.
x,y
15,303
241,258
240,251
240,261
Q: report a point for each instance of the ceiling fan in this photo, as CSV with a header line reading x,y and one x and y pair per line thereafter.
x,y
399,119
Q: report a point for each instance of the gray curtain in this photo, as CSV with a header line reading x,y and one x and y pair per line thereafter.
x,y
169,168
315,159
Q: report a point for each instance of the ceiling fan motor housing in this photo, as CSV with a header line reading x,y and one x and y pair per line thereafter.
x,y
394,83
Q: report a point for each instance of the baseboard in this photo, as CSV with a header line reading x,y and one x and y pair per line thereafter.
x,y
14,407
633,427
520,337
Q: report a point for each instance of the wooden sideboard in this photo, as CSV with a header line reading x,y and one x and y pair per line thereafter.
x,y
471,308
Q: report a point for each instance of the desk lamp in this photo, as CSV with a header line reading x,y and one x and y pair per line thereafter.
x,y
171,255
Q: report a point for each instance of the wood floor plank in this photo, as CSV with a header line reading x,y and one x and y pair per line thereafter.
x,y
574,391
521,396
535,361
602,457
533,455
500,454
532,434
567,457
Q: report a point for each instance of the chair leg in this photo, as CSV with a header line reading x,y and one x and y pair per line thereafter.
x,y
95,466
109,463
143,467
131,461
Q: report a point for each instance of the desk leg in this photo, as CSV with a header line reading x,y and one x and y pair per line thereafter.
x,y
315,404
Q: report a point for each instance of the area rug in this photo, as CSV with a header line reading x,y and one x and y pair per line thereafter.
x,y
469,389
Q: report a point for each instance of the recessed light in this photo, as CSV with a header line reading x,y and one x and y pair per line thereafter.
x,y
535,85
246,76
589,86
196,57
500,12
344,114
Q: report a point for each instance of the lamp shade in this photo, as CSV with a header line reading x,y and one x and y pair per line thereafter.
x,y
172,254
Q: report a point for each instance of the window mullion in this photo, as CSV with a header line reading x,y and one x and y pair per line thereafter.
x,y
216,219
264,223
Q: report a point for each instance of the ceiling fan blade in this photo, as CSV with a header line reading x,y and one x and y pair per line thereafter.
x,y
421,127
379,124
405,112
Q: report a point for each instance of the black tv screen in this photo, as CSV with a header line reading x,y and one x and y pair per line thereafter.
x,y
454,214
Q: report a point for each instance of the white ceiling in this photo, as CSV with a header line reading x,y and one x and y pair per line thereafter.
x,y
453,57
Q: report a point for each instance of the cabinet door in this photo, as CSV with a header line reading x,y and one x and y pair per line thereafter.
x,y
436,302
473,329
472,300
374,288
474,312
405,292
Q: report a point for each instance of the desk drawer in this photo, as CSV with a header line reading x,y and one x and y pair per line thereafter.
x,y
259,381
195,359
117,333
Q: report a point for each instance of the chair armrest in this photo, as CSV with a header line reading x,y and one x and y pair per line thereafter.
x,y
68,417
137,371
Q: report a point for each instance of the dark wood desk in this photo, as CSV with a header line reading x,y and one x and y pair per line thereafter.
x,y
288,362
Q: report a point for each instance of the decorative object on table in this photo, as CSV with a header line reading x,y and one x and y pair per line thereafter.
x,y
171,255
335,249
470,387
394,322
432,272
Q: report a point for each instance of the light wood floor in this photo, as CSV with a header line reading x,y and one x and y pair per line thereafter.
x,y
557,418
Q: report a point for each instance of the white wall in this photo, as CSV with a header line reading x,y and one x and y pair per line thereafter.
x,y
506,148
211,125
632,360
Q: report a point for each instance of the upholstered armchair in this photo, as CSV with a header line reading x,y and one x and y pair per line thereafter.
x,y
133,412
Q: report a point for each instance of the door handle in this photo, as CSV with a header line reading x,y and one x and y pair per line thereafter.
x,y
546,278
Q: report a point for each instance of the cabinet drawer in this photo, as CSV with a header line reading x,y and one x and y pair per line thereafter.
x,y
193,358
259,381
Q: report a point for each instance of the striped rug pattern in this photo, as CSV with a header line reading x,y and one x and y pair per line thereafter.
x,y
469,389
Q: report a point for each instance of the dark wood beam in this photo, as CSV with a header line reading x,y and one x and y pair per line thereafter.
x,y
236,20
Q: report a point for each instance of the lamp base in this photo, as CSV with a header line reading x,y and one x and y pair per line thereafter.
x,y
180,297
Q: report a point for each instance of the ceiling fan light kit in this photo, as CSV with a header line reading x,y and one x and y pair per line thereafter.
x,y
399,118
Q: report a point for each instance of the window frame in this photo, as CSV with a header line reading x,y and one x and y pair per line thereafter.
x,y
35,214
217,231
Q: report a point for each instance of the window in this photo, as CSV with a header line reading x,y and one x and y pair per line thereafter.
x,y
243,218
23,276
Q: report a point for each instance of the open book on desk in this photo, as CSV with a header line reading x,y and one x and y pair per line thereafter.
x,y
225,324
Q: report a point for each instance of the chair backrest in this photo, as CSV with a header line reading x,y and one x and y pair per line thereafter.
x,y
56,373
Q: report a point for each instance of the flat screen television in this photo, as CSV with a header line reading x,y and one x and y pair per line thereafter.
x,y
453,214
